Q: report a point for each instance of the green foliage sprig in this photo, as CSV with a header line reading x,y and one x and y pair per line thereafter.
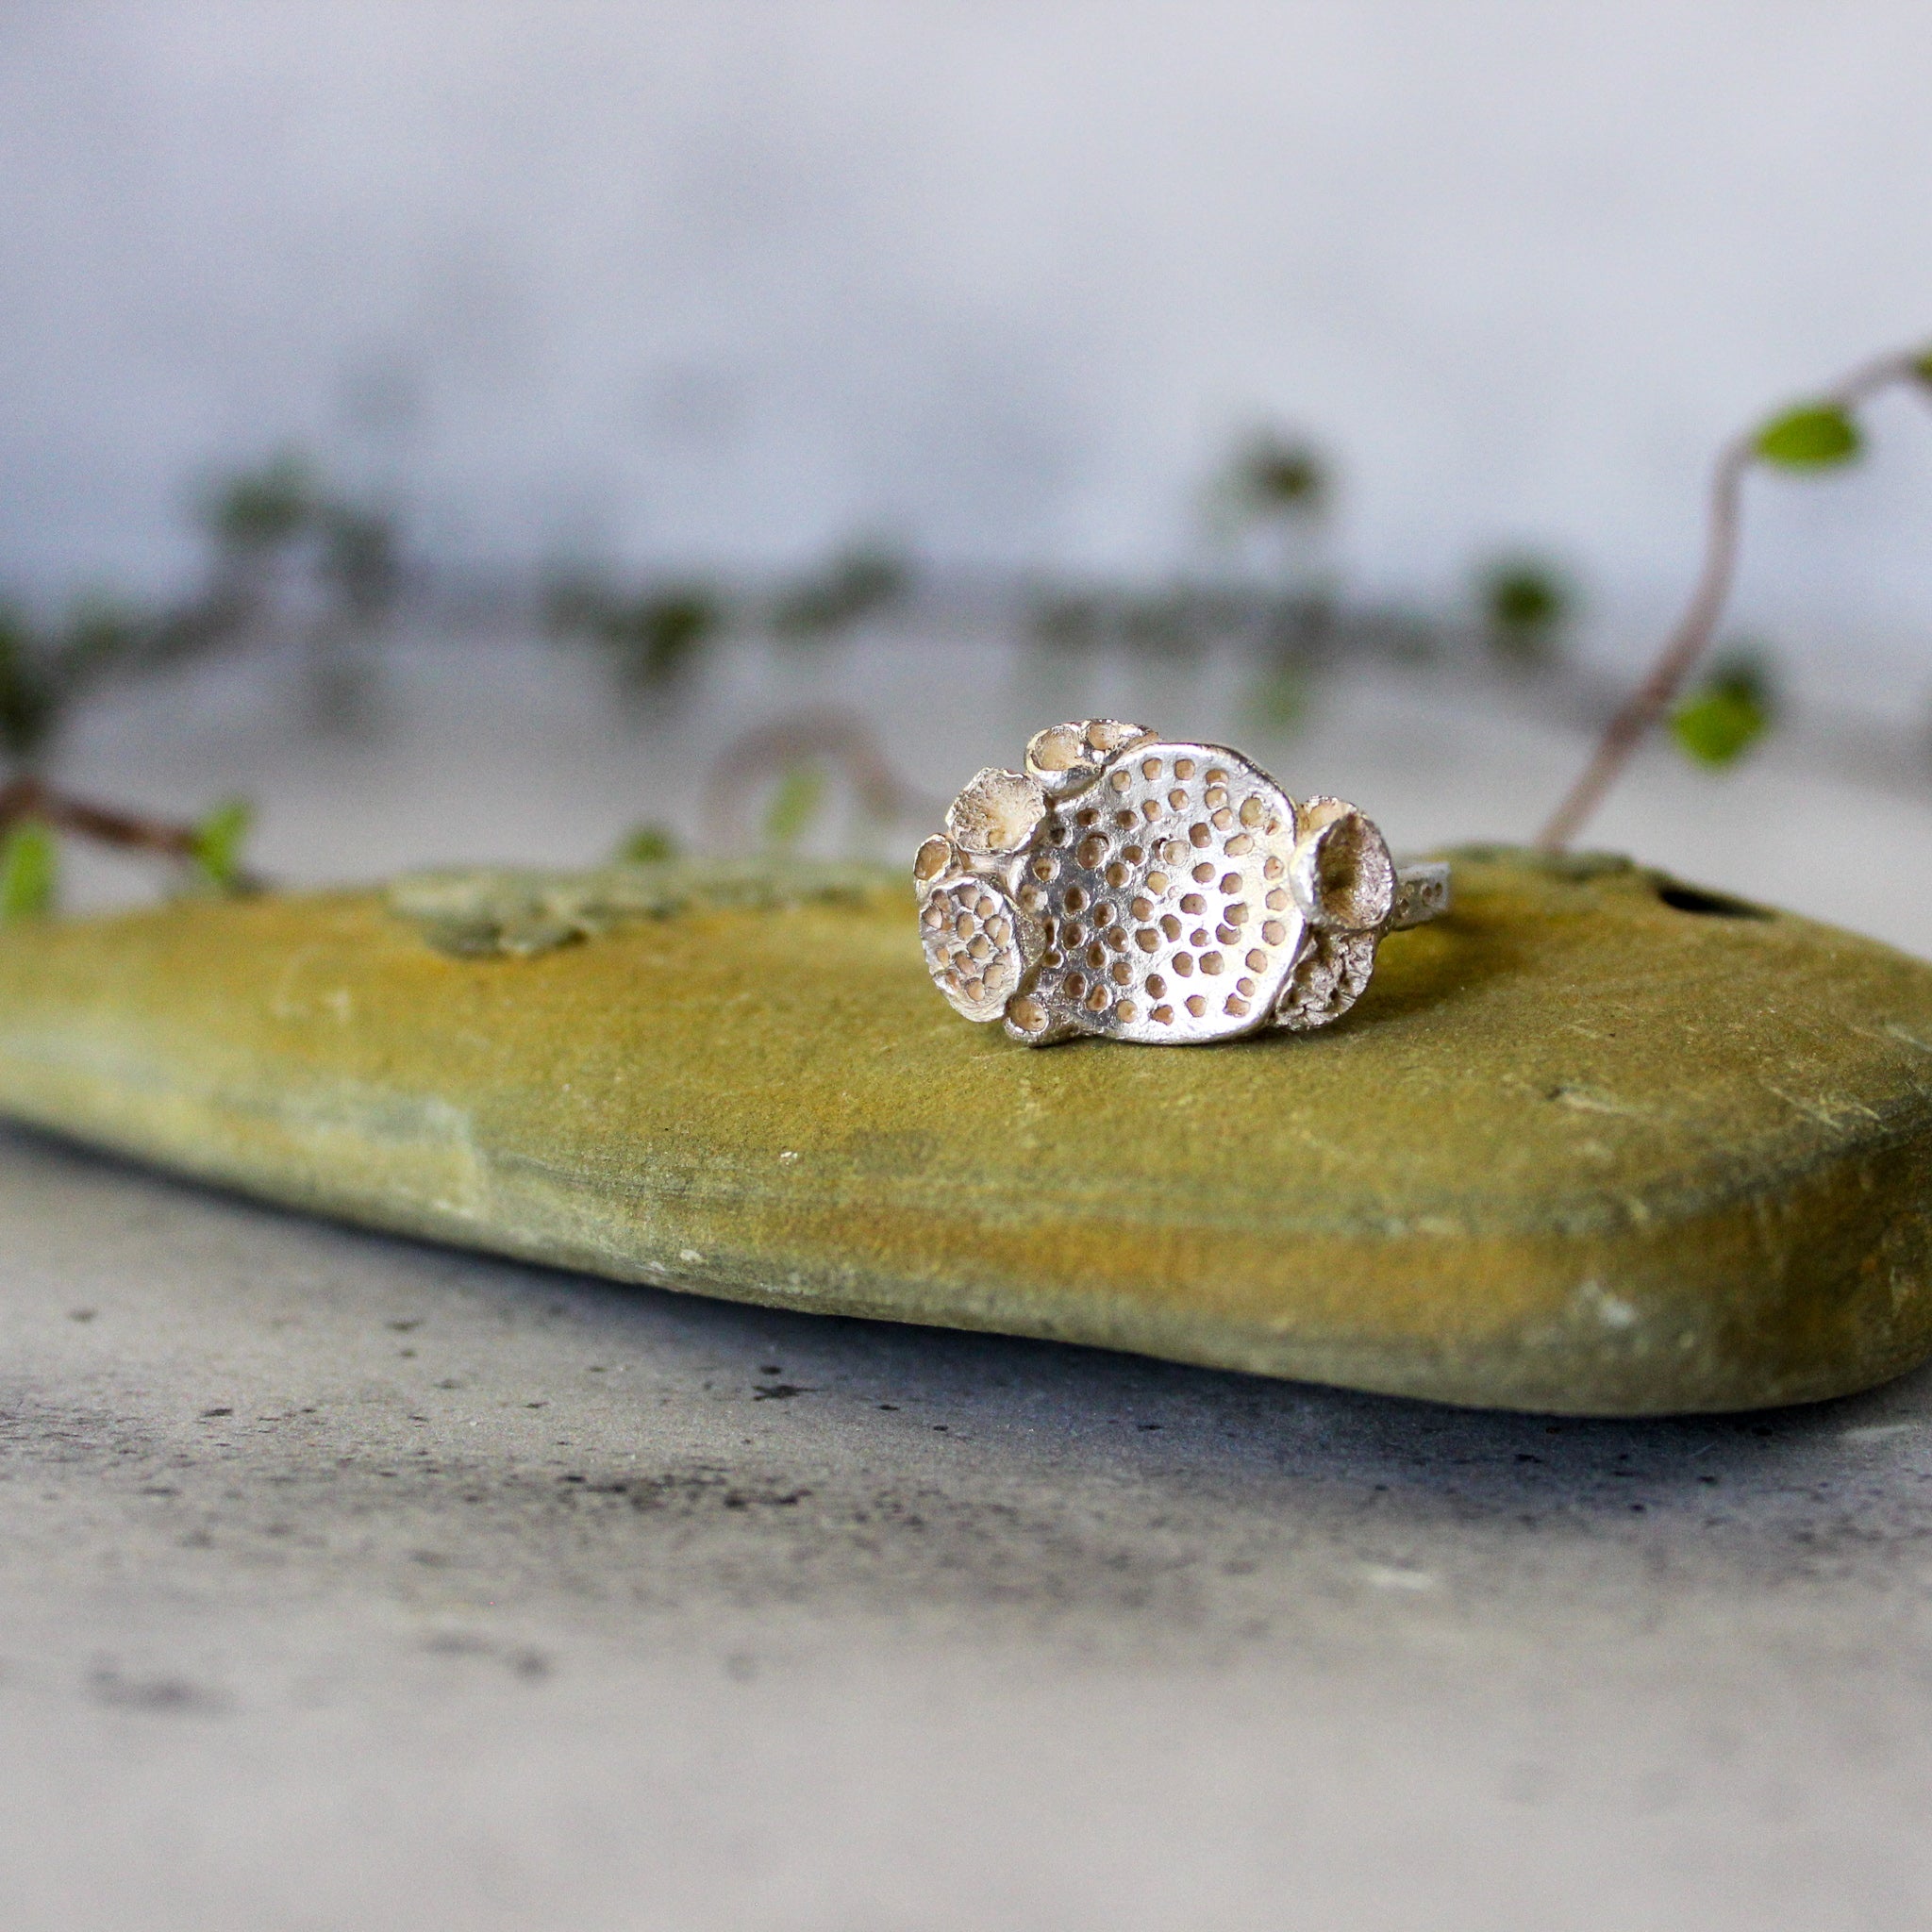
x,y
208,856
652,636
1821,434
863,581
257,522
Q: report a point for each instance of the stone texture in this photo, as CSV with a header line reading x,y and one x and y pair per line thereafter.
x,y
1596,1143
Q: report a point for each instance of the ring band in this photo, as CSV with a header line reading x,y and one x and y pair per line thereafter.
x,y
1137,888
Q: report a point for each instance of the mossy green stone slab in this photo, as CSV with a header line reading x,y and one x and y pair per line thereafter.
x,y
1580,1148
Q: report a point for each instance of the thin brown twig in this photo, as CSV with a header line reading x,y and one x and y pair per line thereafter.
x,y
1691,637
841,737
33,798
23,799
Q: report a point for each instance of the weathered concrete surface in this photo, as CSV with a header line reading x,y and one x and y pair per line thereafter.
x,y
350,1582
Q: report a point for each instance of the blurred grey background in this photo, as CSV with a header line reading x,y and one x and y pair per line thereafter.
x,y
666,284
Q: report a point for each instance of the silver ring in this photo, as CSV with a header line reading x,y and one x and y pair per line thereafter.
x,y
1171,894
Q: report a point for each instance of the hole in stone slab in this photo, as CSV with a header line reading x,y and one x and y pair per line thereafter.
x,y
1712,905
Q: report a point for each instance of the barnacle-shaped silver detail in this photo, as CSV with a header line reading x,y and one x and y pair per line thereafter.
x,y
1168,893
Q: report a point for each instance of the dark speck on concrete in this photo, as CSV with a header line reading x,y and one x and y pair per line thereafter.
x,y
106,1685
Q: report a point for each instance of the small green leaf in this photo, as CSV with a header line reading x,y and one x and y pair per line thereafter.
x,y
1922,366
1814,435
218,843
794,807
260,509
1273,475
29,871
1525,606
1719,723
29,698
646,846
657,639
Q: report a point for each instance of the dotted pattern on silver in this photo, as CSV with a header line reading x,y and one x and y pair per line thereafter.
x,y
1168,893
